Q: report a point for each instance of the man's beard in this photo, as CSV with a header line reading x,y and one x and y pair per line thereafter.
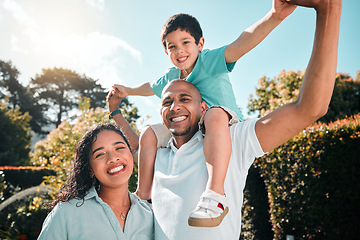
x,y
179,134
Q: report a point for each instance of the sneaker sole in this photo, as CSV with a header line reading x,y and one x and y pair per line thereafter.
x,y
207,222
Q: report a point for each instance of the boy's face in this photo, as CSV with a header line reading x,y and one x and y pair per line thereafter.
x,y
182,49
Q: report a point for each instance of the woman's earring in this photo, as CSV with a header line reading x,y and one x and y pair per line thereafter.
x,y
92,174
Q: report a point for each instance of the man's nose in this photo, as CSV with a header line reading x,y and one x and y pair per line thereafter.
x,y
174,106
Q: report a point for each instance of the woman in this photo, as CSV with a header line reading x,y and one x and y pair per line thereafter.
x,y
95,202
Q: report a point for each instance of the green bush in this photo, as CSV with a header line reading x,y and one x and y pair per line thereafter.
x,y
23,218
255,222
21,178
313,182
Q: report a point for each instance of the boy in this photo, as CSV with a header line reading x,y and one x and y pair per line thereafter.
x,y
208,70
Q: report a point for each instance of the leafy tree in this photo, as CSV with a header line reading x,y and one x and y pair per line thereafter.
x,y
9,84
59,90
58,150
15,137
283,89
20,96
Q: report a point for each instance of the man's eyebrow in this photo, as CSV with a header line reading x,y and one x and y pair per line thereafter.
x,y
185,95
166,98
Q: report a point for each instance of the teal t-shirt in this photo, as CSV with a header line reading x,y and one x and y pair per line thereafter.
x,y
92,218
211,76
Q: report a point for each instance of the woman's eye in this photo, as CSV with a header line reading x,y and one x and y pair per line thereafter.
x,y
99,155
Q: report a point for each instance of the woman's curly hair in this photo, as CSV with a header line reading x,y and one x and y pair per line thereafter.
x,y
80,179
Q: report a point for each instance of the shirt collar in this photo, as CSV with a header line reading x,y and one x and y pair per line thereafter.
x,y
197,137
92,193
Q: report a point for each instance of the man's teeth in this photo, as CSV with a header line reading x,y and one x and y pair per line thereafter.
x,y
117,169
178,119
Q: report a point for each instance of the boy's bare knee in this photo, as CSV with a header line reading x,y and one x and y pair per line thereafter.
x,y
147,135
216,115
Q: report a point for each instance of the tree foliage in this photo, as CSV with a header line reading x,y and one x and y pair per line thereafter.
x,y
20,96
60,89
15,136
284,88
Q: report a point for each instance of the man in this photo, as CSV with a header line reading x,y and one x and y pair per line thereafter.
x,y
180,173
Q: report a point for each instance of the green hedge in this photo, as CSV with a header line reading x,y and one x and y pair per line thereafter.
x,y
20,178
22,219
313,182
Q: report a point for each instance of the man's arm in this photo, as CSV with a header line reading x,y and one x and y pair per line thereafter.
x,y
253,35
318,83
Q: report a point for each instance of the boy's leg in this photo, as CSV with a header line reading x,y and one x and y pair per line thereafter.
x,y
217,150
147,154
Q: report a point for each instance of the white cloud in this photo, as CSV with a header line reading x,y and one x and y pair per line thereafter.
x,y
17,10
99,4
19,14
95,54
100,56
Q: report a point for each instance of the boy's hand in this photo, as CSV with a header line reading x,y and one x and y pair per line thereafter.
x,y
122,91
113,100
283,8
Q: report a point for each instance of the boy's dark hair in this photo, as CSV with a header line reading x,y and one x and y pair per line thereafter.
x,y
183,22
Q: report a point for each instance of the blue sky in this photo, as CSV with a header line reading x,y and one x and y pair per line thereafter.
x,y
118,41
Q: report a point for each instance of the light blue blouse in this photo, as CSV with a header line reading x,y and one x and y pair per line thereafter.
x,y
94,219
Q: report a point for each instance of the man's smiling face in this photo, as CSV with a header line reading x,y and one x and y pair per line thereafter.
x,y
182,108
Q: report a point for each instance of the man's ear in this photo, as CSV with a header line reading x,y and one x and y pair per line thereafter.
x,y
201,43
203,107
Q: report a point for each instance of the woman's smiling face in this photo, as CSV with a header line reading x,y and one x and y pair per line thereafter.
x,y
111,160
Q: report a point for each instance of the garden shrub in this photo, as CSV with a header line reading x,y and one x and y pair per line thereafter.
x,y
313,182
21,178
255,222
22,219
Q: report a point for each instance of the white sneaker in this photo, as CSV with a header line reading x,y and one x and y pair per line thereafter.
x,y
210,210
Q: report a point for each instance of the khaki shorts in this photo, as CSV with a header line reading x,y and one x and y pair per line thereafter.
x,y
233,117
162,134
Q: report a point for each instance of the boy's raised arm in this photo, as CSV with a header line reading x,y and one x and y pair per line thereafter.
x,y
253,35
141,90
318,83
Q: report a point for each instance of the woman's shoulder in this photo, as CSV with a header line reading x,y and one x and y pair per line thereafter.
x,y
143,204
76,202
